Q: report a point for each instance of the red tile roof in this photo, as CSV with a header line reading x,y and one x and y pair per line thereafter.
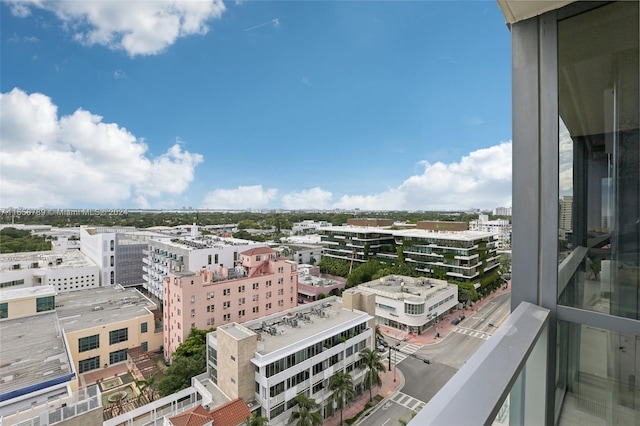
x,y
232,413
198,416
258,250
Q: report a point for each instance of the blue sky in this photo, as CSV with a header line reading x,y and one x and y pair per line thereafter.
x,y
256,104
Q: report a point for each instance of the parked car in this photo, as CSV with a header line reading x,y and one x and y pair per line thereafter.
x,y
456,321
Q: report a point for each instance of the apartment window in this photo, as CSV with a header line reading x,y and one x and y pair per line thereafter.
x,y
226,304
241,301
280,280
210,294
193,313
118,336
210,321
268,283
268,306
143,327
209,259
268,294
226,292
88,364
112,261
290,289
256,297
241,313
255,310
280,270
4,310
44,304
226,317
193,299
118,356
88,343
241,289
280,291
258,258
145,346
216,259
211,308
256,286
280,302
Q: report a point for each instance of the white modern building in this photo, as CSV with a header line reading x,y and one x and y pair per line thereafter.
x,y
301,253
501,228
64,270
189,254
307,226
409,304
502,211
267,362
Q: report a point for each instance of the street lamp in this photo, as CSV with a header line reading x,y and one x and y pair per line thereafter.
x,y
395,360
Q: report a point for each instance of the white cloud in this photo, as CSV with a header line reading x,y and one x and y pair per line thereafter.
x,y
314,198
119,74
253,196
54,161
139,27
481,179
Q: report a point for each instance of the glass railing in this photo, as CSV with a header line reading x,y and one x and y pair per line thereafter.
x,y
493,386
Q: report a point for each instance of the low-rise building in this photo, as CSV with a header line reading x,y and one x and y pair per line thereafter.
x,y
311,287
260,285
268,361
410,304
501,228
301,253
68,270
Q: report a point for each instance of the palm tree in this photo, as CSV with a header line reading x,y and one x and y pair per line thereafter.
x,y
145,387
341,384
307,414
373,364
255,420
379,335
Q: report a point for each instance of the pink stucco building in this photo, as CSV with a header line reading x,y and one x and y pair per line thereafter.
x,y
261,285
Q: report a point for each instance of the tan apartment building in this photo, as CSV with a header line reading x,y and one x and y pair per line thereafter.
x,y
261,285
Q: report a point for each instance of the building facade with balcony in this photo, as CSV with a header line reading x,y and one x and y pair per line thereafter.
x,y
575,296
410,304
357,243
188,254
260,285
267,362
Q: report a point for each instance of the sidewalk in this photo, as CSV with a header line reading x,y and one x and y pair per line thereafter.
x,y
387,388
443,327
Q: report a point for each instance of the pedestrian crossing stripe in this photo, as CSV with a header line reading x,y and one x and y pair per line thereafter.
x,y
472,333
408,401
403,353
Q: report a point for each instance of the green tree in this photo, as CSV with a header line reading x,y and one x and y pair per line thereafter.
x,y
255,420
189,359
307,414
372,363
379,335
178,375
341,384
145,387
505,266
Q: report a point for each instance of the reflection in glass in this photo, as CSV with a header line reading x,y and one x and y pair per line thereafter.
x,y
599,161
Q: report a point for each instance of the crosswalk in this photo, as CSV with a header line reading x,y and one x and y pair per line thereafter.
x,y
398,356
472,333
408,401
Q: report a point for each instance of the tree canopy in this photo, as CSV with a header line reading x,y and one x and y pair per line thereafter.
x,y
14,240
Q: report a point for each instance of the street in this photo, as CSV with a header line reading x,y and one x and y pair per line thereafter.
x,y
446,356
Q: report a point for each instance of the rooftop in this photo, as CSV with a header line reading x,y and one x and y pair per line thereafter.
x,y
32,352
400,287
305,322
44,260
84,309
26,292
455,236
203,242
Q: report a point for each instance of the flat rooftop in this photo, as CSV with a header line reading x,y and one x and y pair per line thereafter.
x,y
314,281
311,319
400,287
203,242
26,292
45,260
455,236
32,352
90,308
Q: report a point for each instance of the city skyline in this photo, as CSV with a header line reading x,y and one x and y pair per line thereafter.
x,y
255,105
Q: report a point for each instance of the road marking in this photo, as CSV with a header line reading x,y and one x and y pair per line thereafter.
x,y
385,422
473,333
403,353
407,401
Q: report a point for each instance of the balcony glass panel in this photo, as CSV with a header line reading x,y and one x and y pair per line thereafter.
x,y
599,160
